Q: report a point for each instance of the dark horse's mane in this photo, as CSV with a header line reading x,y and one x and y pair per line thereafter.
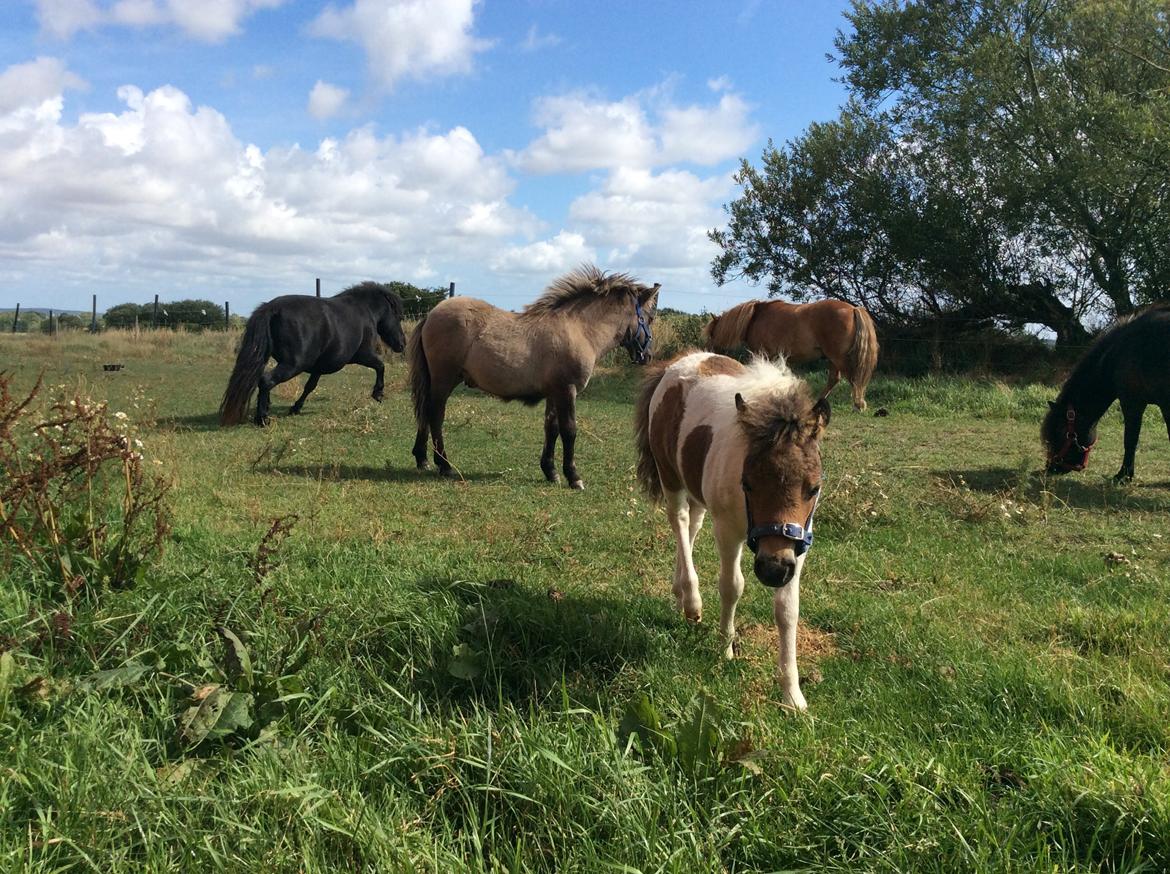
x,y
376,290
1091,366
583,285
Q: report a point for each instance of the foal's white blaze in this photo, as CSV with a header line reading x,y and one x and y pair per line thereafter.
x,y
709,399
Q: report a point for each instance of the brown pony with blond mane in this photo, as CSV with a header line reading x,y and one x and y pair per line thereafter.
x,y
832,329
548,352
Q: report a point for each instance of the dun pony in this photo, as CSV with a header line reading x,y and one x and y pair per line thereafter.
x,y
548,352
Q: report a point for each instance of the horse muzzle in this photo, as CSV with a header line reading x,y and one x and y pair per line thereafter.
x,y
775,571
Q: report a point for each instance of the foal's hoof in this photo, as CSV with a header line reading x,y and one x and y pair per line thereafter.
x,y
577,485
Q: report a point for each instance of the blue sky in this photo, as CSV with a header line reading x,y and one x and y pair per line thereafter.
x,y
237,149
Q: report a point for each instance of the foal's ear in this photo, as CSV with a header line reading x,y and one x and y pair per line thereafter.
x,y
821,413
740,404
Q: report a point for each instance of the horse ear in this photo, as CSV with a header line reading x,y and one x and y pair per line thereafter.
x,y
1052,405
821,413
740,405
650,294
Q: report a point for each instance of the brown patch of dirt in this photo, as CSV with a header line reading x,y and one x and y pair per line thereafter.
x,y
756,641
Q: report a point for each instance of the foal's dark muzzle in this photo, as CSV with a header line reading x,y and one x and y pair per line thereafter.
x,y
774,571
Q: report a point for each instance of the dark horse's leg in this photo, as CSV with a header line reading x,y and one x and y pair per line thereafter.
x,y
551,431
280,373
1133,412
314,378
566,404
420,446
367,357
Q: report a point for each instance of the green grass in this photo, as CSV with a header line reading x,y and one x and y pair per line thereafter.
x,y
986,692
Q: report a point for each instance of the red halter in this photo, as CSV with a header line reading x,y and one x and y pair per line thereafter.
x,y
1071,441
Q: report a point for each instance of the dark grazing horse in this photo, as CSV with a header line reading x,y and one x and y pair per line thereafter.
x,y
311,335
1129,362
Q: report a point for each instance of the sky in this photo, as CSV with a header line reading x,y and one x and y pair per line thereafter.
x,y
236,150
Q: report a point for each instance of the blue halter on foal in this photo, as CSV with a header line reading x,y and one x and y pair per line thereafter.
x,y
801,534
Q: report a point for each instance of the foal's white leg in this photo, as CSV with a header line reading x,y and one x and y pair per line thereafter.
x,y
686,581
786,609
729,541
698,512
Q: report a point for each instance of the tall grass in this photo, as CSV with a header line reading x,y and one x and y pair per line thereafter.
x,y
983,650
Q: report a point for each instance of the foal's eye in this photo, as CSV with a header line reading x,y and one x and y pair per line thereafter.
x,y
814,490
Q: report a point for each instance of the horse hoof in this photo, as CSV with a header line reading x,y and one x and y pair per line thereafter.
x,y
377,396
447,472
577,485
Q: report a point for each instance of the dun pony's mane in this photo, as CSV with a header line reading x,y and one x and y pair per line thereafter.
x,y
585,284
727,330
778,405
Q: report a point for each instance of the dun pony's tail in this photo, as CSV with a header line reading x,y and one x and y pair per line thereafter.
x,y
648,476
420,375
250,361
862,356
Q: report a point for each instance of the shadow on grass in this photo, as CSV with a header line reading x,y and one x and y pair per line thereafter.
x,y
369,473
196,422
1088,492
497,642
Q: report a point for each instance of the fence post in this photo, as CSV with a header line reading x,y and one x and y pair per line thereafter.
x,y
93,317
451,291
318,286
154,320
50,323
16,319
227,315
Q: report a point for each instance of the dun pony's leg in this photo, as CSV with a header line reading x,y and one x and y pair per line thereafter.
x,y
566,405
314,378
280,373
1133,412
548,462
369,358
437,412
686,580
786,609
729,541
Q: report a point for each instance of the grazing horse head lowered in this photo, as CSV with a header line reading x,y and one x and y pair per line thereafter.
x,y
744,443
547,352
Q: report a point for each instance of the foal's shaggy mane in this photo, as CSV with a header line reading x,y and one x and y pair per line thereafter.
x,y
778,406
581,286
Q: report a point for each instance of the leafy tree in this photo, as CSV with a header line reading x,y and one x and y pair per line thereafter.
x,y
417,302
1003,160
124,315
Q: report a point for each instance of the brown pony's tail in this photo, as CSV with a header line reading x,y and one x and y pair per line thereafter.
x,y
862,356
250,361
420,375
648,476
726,331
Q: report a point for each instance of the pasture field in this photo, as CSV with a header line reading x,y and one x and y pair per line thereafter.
x,y
985,651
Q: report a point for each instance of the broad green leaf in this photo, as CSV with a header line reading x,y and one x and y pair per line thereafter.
x,y
216,713
126,675
466,663
237,664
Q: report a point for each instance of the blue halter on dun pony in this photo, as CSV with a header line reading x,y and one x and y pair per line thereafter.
x,y
744,443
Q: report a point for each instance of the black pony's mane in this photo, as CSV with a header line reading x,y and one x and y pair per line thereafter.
x,y
376,290
1106,342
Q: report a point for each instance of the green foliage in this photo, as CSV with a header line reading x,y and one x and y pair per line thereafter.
x,y
998,163
190,314
77,508
417,302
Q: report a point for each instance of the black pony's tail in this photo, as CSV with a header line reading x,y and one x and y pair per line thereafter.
x,y
250,361
420,375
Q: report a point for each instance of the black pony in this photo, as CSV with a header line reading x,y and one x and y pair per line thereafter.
x,y
314,335
1130,362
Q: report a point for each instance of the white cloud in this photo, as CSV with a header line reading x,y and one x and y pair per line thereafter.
x,y
326,101
29,85
586,134
545,257
534,40
162,187
643,130
205,20
707,134
406,38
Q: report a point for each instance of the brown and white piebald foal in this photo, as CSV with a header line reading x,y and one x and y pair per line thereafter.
x,y
742,441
